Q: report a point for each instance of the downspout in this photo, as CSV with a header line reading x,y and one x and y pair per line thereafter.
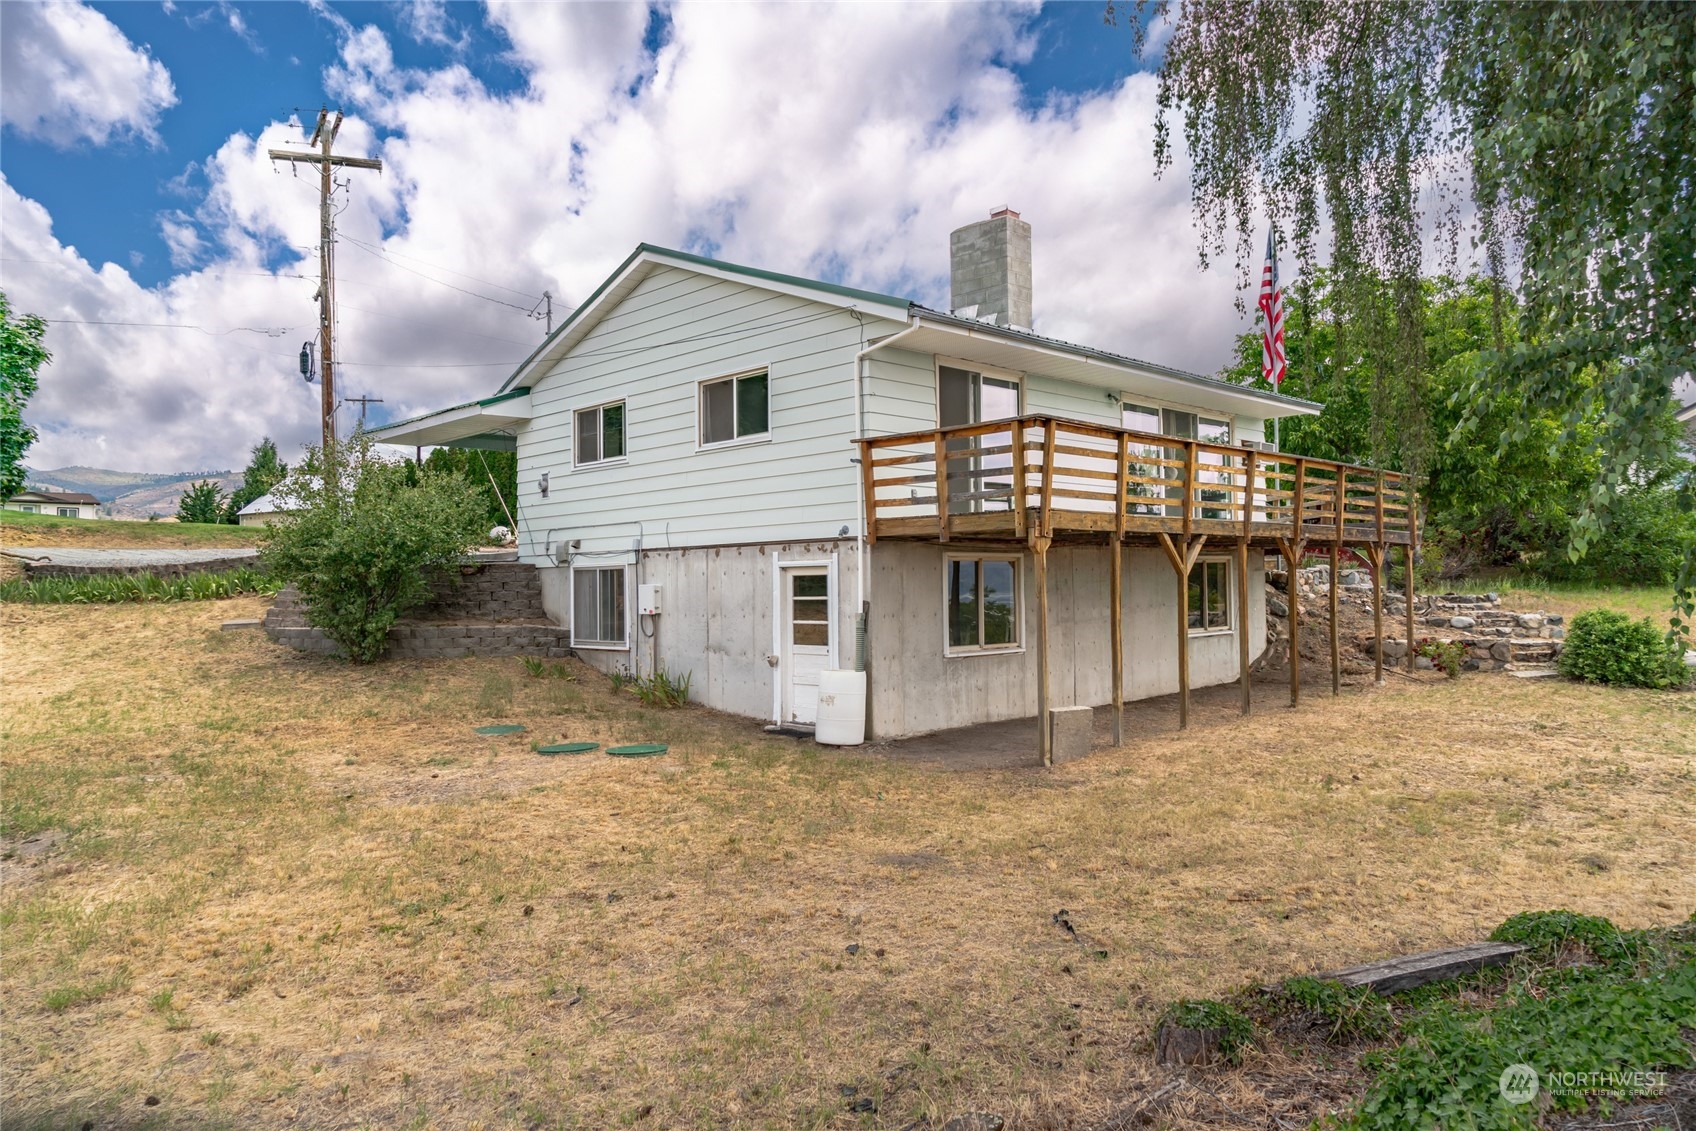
x,y
861,363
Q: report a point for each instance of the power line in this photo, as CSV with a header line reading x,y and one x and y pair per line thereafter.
x,y
439,282
390,252
269,331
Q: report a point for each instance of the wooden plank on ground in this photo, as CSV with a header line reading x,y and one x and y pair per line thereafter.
x,y
1404,973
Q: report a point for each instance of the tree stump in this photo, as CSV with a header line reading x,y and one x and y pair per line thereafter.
x,y
1176,1045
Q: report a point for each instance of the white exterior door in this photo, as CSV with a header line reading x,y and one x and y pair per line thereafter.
x,y
804,594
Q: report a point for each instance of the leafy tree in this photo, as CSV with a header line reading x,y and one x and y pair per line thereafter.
x,y
1504,483
360,542
477,466
21,358
203,502
1569,127
264,471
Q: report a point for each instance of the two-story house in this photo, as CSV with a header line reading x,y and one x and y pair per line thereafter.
x,y
754,478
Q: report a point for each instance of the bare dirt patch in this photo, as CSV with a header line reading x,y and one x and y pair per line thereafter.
x,y
277,917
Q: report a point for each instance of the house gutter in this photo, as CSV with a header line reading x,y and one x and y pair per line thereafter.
x,y
861,361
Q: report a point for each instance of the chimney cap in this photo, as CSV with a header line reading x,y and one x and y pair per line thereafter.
x,y
1004,210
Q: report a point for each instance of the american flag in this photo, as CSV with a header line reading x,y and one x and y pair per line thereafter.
x,y
1273,361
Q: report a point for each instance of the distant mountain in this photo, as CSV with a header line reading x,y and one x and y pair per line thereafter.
x,y
131,494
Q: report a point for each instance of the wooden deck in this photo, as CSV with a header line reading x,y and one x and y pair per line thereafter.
x,y
1004,480
1033,480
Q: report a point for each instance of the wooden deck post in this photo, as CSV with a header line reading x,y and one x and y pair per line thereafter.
x,y
1375,555
942,490
1407,568
1182,562
1242,622
868,484
1115,601
1336,655
1039,549
1292,549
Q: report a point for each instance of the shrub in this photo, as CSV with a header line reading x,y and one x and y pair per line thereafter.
x,y
1545,933
1446,654
1644,543
363,536
1603,646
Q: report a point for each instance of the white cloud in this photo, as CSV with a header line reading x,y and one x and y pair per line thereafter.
x,y
67,74
845,141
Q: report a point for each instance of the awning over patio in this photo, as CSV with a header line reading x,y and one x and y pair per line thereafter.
x,y
490,424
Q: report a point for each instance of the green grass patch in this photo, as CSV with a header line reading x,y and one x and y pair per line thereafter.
x,y
119,588
62,998
127,532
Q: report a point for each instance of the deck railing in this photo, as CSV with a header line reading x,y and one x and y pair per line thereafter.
x,y
1001,477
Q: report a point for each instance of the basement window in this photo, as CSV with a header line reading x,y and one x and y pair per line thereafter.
x,y
982,596
1210,597
735,408
597,607
599,435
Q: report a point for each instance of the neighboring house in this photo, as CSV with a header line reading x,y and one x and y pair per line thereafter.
x,y
1684,396
260,512
733,473
64,504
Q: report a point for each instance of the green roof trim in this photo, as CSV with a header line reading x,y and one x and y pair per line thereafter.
x,y
521,391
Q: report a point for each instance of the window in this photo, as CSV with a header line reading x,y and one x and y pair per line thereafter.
x,y
30,508
982,479
983,604
600,433
809,612
70,512
1184,426
597,607
735,408
1210,596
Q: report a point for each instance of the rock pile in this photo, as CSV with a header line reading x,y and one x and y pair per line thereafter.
x,y
1495,638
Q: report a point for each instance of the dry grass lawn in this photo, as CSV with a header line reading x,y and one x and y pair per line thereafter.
x,y
271,890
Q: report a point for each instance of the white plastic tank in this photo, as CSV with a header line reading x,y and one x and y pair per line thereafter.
x,y
842,709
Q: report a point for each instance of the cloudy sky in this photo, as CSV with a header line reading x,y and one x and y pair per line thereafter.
x,y
529,148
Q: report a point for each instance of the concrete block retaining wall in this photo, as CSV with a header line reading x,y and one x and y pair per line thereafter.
x,y
490,609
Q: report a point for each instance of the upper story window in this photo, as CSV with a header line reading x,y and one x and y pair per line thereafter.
x,y
599,435
1182,425
735,408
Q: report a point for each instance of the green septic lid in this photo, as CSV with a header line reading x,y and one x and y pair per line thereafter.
x,y
643,750
568,748
504,728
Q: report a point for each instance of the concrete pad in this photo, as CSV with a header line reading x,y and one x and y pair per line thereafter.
x,y
236,625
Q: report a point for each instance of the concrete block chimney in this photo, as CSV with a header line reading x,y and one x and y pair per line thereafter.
x,y
990,270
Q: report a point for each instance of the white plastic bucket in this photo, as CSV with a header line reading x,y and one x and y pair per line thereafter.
x,y
842,709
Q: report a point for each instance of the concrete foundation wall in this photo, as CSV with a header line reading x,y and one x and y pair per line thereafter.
x,y
915,688
716,619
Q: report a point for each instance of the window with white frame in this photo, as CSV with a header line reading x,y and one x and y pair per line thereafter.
x,y
1210,596
70,512
597,607
29,508
599,435
982,596
735,408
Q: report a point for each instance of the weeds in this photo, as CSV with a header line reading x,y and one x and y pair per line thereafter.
x,y
114,588
1356,1013
663,689
541,669
496,696
1236,1031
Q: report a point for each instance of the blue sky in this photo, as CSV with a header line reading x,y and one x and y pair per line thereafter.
x,y
529,147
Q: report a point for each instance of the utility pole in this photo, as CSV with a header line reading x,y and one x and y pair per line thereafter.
x,y
323,136
548,301
362,402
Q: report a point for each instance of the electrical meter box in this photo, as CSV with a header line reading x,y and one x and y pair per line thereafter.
x,y
648,600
